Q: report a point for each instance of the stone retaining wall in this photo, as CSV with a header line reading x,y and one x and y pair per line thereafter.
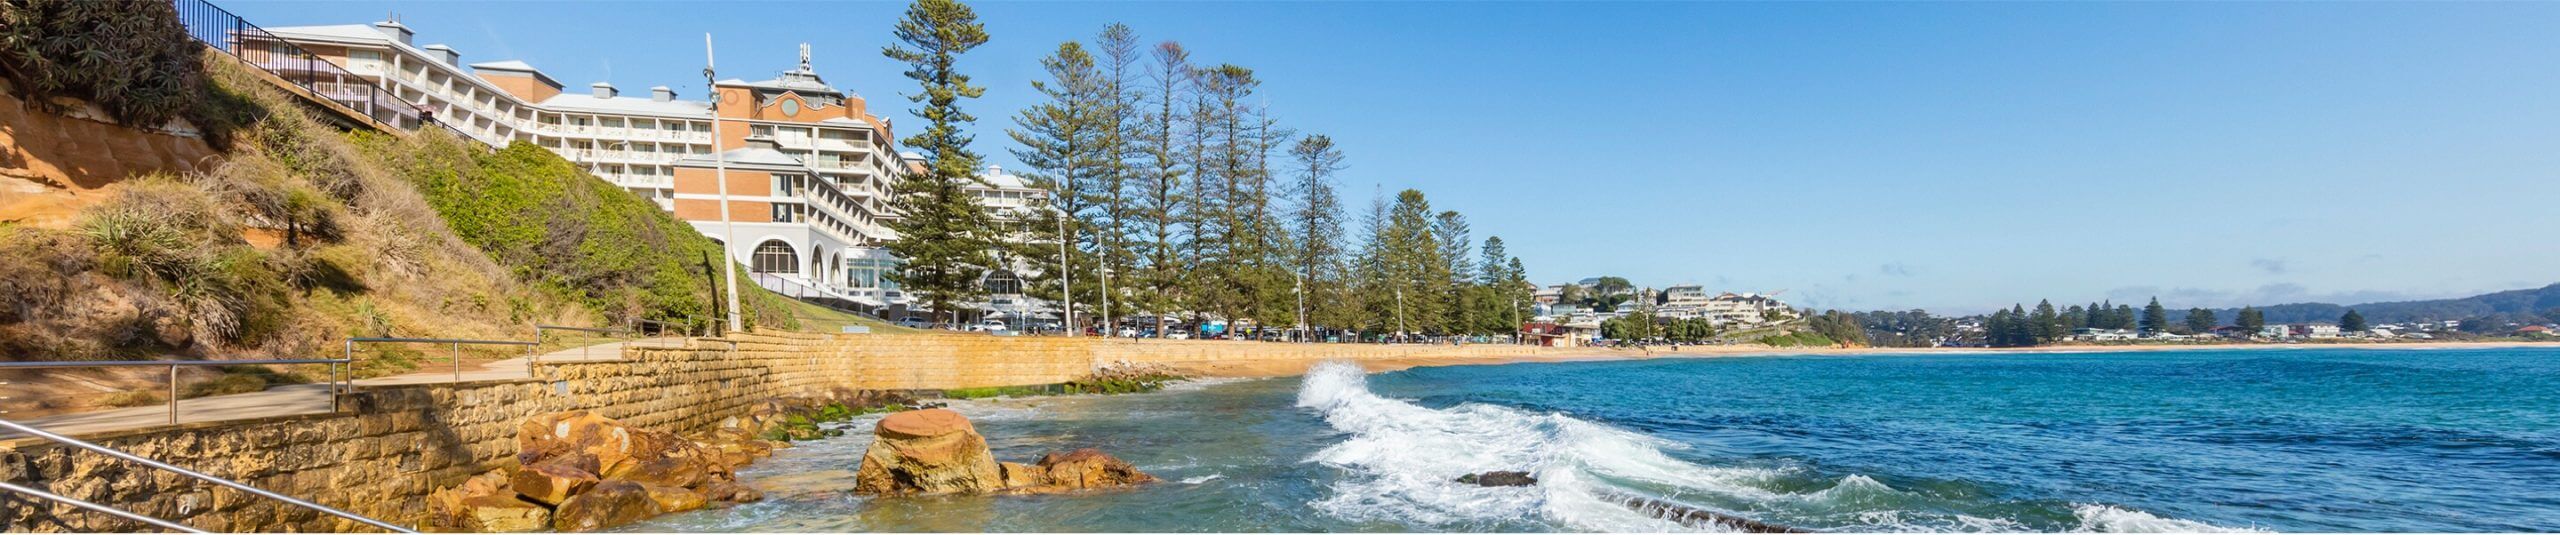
x,y
395,444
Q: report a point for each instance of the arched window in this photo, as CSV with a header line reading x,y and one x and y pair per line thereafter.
x,y
773,256
1003,282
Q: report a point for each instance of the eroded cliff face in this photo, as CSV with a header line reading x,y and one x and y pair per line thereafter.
x,y
59,156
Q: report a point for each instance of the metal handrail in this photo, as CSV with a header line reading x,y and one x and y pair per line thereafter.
x,y
338,368
83,504
532,353
103,450
456,342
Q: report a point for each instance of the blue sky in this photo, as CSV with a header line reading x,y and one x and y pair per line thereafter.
x,y
1952,156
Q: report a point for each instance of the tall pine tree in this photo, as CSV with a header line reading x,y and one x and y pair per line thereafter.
x,y
1317,223
942,234
1062,141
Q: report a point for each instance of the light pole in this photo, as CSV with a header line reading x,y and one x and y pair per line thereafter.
x,y
720,176
1301,291
1399,314
1066,292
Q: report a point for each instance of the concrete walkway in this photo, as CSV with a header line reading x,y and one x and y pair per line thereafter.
x,y
289,400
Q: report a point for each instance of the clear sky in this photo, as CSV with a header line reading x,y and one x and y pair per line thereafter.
x,y
1953,156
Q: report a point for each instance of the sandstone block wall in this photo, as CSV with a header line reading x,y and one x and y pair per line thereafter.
x,y
393,445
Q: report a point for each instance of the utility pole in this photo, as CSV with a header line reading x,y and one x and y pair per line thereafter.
x,y
720,175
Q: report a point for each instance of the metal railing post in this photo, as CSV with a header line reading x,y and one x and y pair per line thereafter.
x,y
173,394
457,362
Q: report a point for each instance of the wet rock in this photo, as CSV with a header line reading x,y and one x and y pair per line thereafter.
x,y
1089,468
611,503
673,471
1499,479
675,499
731,492
932,451
553,482
1018,475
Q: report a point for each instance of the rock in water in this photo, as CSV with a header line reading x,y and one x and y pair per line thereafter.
x,y
1090,469
611,503
931,451
1018,475
675,499
1499,479
505,514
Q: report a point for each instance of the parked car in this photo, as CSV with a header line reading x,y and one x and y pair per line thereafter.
x,y
915,323
988,326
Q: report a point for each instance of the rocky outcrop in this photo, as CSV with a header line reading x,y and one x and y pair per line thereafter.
x,y
931,451
553,482
580,471
1499,479
609,504
1089,469
937,451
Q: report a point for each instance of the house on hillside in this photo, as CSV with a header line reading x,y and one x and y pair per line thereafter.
x,y
2316,330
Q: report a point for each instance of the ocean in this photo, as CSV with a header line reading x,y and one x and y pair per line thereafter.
x,y
2242,440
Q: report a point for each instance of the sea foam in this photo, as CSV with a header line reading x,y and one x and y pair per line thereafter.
x,y
1401,462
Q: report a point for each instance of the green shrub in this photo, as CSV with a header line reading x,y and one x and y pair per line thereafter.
x,y
568,232
131,57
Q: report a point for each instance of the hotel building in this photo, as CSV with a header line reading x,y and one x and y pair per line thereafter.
x,y
809,169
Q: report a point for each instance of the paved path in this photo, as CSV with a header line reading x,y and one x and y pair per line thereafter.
x,y
304,398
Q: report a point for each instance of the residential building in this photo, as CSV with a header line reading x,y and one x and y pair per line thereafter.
x,y
810,171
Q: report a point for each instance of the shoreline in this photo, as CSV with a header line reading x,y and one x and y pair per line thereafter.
x,y
1255,369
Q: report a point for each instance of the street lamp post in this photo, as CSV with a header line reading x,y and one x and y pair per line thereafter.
x,y
1399,314
1066,292
720,176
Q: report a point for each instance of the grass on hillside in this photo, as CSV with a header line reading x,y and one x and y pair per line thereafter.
x,y
814,318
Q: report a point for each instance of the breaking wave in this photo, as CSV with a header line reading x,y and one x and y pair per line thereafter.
x,y
1401,462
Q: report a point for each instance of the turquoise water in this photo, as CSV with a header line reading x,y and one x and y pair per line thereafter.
x,y
2281,440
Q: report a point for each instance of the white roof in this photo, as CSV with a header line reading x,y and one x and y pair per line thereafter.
x,y
508,65
336,32
693,109
749,156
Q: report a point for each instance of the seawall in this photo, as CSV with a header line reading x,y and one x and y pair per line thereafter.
x,y
392,445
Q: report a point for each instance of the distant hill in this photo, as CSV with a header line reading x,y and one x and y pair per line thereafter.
x,y
2540,302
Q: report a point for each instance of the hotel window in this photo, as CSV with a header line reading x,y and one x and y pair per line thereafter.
x,y
783,186
760,130
775,257
785,213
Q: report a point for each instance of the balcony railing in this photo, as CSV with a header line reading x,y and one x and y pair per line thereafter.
x,y
227,32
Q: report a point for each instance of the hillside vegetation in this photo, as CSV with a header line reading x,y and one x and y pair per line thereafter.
x,y
2526,304
568,233
304,235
